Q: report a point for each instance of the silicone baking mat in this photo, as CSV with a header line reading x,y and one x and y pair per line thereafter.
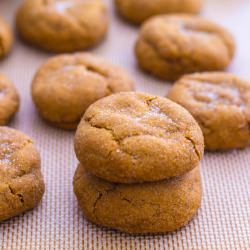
x,y
223,222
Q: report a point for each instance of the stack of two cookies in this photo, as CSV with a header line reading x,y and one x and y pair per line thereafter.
x,y
139,163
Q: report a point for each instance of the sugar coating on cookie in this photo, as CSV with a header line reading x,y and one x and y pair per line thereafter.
x,y
21,181
6,38
155,207
220,102
66,85
135,137
137,11
9,100
170,46
62,25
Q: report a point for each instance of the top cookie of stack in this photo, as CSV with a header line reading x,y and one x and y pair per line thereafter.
x,y
134,137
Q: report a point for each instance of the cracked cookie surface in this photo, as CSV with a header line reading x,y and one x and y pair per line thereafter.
x,y
6,38
137,11
21,181
62,25
9,100
66,85
134,137
220,102
170,46
139,208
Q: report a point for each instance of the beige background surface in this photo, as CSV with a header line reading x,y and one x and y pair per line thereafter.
x,y
223,222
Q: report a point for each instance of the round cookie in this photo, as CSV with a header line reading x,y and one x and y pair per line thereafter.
x,y
9,100
220,102
66,85
170,46
62,25
6,38
155,207
134,137
21,181
137,11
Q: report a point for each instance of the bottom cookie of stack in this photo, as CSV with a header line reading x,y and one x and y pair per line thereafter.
x,y
155,207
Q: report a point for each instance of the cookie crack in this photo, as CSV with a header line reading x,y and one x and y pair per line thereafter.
x,y
150,100
20,198
97,71
164,58
18,195
139,203
117,140
101,73
1,47
109,89
135,203
120,140
170,60
126,199
194,146
209,33
157,110
101,195
81,26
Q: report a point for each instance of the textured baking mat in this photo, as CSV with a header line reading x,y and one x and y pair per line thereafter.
x,y
223,222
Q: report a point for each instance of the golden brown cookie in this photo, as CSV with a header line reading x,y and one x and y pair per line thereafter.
x,y
6,38
66,85
170,46
21,181
220,102
134,137
155,207
9,100
62,25
137,11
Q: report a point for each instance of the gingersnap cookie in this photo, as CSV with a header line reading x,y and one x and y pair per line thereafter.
x,y
155,207
62,25
170,46
21,181
135,137
138,11
220,102
9,100
6,38
66,85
